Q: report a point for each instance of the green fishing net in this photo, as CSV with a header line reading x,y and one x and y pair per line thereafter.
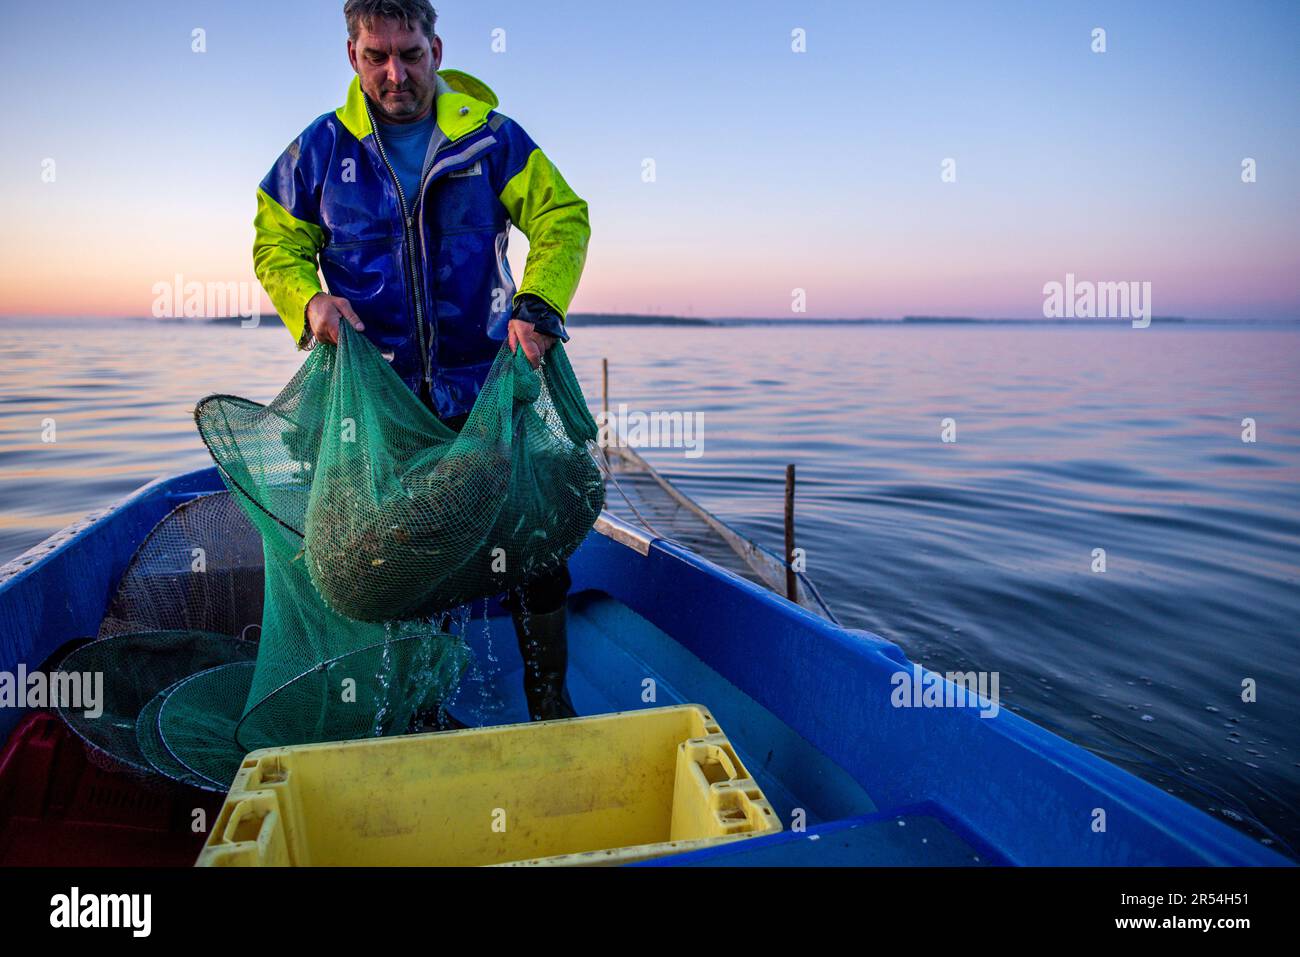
x,y
375,520
136,667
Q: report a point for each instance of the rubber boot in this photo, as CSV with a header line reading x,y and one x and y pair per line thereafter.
x,y
544,646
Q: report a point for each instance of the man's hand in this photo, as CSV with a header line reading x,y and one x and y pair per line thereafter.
x,y
534,343
324,313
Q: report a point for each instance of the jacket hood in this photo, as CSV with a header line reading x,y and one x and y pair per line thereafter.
x,y
462,104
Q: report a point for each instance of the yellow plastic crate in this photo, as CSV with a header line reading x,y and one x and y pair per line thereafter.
x,y
608,789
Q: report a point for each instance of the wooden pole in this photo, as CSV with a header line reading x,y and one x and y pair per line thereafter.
x,y
604,387
791,583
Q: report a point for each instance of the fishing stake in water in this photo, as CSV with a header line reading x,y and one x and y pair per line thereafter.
x,y
791,585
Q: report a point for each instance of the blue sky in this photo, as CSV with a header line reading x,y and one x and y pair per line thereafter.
x,y
775,170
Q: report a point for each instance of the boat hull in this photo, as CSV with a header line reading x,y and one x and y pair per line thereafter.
x,y
812,704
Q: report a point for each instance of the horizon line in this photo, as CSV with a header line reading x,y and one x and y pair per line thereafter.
x,y
637,318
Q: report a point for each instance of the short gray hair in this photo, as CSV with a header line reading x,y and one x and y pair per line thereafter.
x,y
359,13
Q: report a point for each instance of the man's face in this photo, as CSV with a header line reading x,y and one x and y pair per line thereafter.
x,y
398,68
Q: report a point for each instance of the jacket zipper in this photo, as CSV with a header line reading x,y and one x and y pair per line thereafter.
x,y
426,177
408,222
419,213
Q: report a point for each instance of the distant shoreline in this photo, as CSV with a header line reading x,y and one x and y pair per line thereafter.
x,y
581,319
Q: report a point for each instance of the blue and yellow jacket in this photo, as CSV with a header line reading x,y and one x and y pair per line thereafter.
x,y
427,275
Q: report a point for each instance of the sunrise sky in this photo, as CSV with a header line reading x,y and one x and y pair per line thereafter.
x,y
775,170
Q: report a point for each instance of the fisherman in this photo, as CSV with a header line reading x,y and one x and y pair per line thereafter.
x,y
405,196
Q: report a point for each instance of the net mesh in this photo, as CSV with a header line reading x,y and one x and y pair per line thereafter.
x,y
365,520
135,668
200,569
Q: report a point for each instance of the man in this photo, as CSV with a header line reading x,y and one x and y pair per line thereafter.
x,y
405,196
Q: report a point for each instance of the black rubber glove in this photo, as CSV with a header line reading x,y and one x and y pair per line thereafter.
x,y
530,308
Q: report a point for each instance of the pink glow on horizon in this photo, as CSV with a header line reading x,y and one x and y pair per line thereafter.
x,y
118,279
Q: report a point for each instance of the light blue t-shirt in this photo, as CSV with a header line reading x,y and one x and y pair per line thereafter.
x,y
407,145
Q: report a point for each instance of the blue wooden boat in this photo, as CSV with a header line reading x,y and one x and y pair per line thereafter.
x,y
809,705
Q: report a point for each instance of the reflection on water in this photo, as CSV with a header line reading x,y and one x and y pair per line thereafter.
x,y
975,554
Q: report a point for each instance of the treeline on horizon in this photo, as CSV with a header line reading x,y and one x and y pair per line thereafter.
x,y
639,319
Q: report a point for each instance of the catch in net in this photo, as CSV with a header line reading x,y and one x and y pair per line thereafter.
x,y
374,520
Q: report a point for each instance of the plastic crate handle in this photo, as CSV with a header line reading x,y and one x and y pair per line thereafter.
x,y
253,831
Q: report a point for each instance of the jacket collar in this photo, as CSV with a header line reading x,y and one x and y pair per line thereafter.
x,y
462,104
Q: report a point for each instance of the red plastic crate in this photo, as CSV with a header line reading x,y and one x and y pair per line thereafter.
x,y
57,808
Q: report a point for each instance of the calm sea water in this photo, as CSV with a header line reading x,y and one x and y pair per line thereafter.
x,y
974,554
